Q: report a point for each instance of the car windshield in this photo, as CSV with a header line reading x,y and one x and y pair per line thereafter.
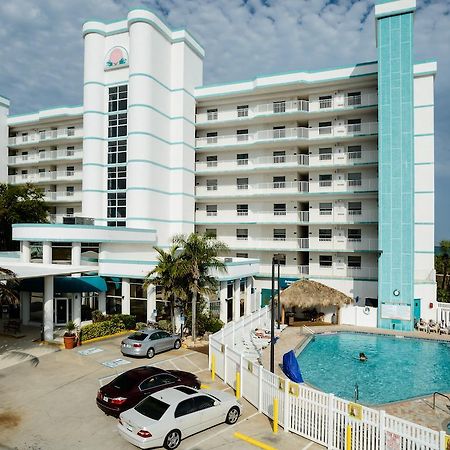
x,y
138,336
123,381
152,407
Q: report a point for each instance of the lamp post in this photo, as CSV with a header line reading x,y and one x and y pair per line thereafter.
x,y
275,260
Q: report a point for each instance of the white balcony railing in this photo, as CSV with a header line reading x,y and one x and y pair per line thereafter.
x,y
44,136
287,244
343,271
225,216
289,107
343,244
48,155
299,133
63,196
42,177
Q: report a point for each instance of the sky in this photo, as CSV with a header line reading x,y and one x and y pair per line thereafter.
x,y
42,51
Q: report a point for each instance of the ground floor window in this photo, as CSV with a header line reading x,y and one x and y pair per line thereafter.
x,y
113,305
89,303
138,308
36,307
114,296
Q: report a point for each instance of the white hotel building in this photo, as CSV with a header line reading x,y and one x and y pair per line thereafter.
x,y
330,170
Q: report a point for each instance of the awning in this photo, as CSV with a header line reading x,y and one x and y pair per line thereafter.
x,y
66,284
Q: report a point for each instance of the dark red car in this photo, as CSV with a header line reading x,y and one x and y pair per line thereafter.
x,y
129,388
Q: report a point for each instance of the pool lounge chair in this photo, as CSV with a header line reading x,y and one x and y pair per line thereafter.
x,y
444,329
433,327
422,326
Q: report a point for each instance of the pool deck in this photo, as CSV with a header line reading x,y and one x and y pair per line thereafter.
x,y
419,410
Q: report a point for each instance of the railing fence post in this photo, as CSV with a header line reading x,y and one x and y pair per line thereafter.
x,y
442,435
287,406
225,363
260,387
381,427
241,373
210,352
330,421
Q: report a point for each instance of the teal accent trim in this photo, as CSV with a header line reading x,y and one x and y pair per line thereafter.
x,y
152,219
423,192
49,109
125,261
159,192
87,83
95,112
95,190
424,106
423,134
15,255
235,277
424,223
141,74
424,163
397,12
424,251
147,161
95,164
145,133
88,227
93,138
141,105
118,275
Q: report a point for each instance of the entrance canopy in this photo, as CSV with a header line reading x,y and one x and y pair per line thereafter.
x,y
66,284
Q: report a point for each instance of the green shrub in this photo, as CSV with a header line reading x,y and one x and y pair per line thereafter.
x,y
140,325
97,316
165,325
115,324
213,325
204,324
128,320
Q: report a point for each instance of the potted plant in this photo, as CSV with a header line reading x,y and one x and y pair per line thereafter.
x,y
70,336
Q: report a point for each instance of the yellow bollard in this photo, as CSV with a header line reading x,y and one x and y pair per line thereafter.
x,y
213,367
275,415
238,385
348,438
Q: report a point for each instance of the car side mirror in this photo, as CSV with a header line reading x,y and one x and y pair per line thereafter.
x,y
216,403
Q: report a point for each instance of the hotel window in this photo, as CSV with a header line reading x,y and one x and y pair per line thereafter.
x,y
279,209
279,107
354,262
117,152
211,137
242,183
354,152
116,208
241,255
281,257
325,234
324,127
242,135
118,98
211,210
279,132
70,190
211,114
117,178
279,182
242,159
354,234
279,234
325,260
325,209
242,210
325,154
117,125
70,171
24,137
325,180
354,208
70,151
354,179
353,98
279,157
70,131
24,174
24,156
211,232
211,161
325,101
242,111
241,234
354,125
41,153
69,211
211,185
61,252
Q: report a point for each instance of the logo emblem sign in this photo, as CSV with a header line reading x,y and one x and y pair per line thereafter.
x,y
116,58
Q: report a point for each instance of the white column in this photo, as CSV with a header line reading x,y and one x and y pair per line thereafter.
x,y
125,296
223,302
46,253
76,253
25,300
248,295
236,299
151,303
48,308
25,252
76,308
102,302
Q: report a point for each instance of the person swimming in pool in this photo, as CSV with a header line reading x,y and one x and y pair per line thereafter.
x,y
363,357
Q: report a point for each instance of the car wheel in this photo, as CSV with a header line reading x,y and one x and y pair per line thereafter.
x,y
177,344
172,440
232,416
150,353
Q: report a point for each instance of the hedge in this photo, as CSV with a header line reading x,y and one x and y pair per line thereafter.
x,y
115,324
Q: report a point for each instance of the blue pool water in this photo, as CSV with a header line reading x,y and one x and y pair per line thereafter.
x,y
396,369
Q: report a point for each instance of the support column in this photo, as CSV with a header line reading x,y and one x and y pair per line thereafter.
x,y
125,296
151,303
76,308
25,252
248,295
76,253
25,303
102,302
46,253
236,299
223,302
48,308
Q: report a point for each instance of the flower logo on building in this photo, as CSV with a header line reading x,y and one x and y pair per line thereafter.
x,y
117,57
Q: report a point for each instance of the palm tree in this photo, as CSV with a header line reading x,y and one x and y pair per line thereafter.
x,y
168,274
8,287
200,259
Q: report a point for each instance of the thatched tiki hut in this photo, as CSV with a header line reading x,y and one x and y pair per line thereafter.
x,y
307,294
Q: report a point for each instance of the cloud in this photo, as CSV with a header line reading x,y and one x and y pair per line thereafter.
x,y
42,52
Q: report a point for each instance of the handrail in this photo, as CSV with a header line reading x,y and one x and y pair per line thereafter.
x,y
308,330
442,395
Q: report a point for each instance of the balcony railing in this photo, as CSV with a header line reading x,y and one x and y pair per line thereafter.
x,y
50,155
299,133
42,177
289,107
224,216
43,136
315,270
63,196
288,244
343,244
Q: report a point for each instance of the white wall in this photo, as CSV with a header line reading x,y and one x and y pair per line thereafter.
x,y
4,110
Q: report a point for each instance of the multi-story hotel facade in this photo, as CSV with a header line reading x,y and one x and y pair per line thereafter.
x,y
330,171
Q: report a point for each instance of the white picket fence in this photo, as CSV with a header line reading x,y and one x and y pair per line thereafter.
x,y
322,418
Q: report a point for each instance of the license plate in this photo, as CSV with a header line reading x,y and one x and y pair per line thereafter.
x,y
129,428
105,398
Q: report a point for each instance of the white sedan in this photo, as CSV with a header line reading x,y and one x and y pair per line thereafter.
x,y
166,417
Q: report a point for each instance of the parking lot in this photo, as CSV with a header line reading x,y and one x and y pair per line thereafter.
x,y
52,405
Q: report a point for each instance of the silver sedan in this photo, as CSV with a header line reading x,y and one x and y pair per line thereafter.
x,y
147,342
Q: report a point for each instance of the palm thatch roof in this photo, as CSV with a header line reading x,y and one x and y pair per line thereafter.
x,y
309,294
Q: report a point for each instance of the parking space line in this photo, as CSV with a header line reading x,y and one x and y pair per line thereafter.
x,y
309,445
252,441
192,362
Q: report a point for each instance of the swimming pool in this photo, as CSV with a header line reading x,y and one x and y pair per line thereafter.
x,y
396,369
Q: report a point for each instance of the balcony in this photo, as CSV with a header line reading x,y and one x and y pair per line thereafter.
x,y
45,177
48,155
263,243
314,271
291,107
63,196
58,218
343,244
269,216
45,136
287,270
